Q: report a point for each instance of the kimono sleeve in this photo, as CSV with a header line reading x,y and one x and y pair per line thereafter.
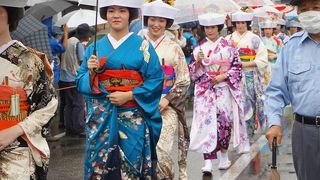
x,y
261,55
148,94
235,72
83,77
182,80
42,102
196,74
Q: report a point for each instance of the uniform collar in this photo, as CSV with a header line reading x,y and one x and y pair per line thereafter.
x,y
306,36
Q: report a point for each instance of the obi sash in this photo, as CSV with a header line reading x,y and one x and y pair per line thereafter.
x,y
6,93
247,54
216,67
119,80
168,79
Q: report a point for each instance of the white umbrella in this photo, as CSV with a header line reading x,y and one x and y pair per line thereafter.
x,y
191,9
75,18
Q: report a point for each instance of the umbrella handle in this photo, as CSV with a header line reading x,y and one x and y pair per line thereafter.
x,y
274,153
95,36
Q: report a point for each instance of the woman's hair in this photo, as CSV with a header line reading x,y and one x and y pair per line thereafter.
x,y
247,22
168,24
133,13
220,27
274,29
14,16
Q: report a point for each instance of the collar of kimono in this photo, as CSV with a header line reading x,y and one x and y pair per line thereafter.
x,y
13,51
155,43
213,45
241,36
5,46
115,44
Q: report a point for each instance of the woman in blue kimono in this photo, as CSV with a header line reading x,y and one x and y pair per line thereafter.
x,y
123,121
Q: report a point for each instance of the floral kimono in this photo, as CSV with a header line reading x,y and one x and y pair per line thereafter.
x,y
217,108
26,99
121,140
175,88
254,80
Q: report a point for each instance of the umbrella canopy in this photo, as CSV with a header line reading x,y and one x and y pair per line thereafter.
x,y
85,2
31,32
75,18
33,2
47,9
13,3
190,9
266,11
249,3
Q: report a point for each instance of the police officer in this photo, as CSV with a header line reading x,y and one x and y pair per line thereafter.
x,y
295,80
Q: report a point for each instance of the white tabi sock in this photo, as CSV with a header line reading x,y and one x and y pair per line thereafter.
x,y
223,157
207,165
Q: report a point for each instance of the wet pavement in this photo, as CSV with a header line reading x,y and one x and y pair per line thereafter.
x,y
67,155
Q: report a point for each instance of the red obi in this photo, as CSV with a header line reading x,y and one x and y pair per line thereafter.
x,y
118,80
6,120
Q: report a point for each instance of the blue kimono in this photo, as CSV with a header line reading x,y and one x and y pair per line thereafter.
x,y
121,141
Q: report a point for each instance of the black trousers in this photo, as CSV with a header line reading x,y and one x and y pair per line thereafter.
x,y
72,108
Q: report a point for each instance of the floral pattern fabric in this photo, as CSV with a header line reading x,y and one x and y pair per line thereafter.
x,y
210,100
171,55
26,70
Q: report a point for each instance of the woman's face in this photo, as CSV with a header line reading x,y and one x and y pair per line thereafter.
x,y
212,32
241,26
268,32
4,26
293,30
118,17
279,28
157,26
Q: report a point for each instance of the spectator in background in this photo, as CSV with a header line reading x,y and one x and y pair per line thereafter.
x,y
293,26
73,109
191,42
56,47
175,33
136,24
279,31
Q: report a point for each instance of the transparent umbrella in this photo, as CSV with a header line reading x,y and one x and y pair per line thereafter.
x,y
191,9
266,11
249,3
